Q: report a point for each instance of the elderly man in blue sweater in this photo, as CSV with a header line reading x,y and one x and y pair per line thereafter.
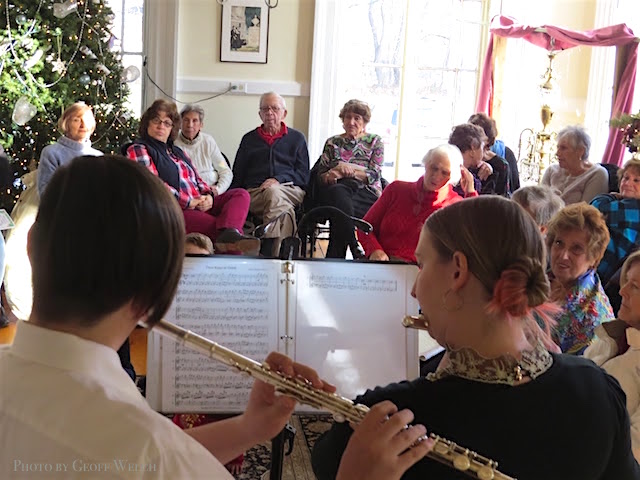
x,y
272,164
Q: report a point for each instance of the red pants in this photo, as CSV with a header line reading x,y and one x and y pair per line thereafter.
x,y
229,211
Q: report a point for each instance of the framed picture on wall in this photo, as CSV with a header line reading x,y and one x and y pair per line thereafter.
x,y
245,31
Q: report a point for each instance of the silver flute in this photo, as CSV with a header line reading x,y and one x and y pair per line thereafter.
x,y
342,409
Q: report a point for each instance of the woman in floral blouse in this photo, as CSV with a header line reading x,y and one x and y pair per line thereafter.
x,y
577,237
347,175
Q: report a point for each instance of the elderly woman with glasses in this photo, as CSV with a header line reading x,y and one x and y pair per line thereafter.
x,y
348,174
577,237
574,177
221,219
622,214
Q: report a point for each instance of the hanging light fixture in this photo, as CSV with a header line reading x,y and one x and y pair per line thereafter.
x,y
535,146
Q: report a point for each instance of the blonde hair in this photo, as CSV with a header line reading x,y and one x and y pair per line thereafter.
x,y
632,164
199,240
73,110
583,217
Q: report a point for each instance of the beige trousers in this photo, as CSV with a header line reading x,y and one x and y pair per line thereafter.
x,y
272,202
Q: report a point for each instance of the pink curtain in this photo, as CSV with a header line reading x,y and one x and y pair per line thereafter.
x,y
620,36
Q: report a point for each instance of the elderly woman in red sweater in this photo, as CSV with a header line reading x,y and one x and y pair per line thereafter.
x,y
398,215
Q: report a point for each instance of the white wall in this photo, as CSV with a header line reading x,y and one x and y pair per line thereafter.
x,y
288,67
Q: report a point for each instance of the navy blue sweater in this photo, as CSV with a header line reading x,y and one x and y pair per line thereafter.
x,y
287,160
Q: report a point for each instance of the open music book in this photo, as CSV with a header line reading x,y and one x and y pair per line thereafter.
x,y
342,318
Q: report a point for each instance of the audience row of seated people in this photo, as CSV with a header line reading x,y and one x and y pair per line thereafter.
x,y
271,170
270,176
271,173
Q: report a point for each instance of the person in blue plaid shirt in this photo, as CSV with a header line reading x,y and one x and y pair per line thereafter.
x,y
622,214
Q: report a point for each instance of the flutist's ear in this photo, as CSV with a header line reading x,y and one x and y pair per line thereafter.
x,y
460,270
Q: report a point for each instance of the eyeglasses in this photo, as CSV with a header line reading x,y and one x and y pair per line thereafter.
x,y
575,250
267,109
166,123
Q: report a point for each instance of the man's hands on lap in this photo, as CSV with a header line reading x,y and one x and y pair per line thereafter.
x,y
269,182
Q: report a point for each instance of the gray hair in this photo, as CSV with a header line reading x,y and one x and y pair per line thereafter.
x,y
578,137
192,107
540,201
453,154
283,104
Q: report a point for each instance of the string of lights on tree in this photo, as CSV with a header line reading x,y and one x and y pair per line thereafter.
x,y
630,127
53,54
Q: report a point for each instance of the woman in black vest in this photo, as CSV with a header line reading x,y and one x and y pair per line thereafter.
x,y
220,217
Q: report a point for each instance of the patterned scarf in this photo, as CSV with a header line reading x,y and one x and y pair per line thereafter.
x,y
585,307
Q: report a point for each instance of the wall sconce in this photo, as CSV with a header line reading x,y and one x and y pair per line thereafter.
x,y
535,146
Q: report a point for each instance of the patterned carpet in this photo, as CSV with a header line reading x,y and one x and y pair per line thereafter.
x,y
297,465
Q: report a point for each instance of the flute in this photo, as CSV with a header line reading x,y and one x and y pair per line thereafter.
x,y
342,409
417,322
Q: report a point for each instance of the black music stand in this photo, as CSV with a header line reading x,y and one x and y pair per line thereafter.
x,y
278,450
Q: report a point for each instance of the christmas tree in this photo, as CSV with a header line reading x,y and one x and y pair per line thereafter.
x,y
53,54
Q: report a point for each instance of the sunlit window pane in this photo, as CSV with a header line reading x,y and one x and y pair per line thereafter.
x,y
135,88
472,11
416,68
464,105
372,30
128,28
116,7
469,46
133,22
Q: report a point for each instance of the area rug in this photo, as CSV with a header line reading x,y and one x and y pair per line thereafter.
x,y
297,465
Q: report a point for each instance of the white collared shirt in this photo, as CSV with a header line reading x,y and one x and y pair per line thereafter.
x,y
68,410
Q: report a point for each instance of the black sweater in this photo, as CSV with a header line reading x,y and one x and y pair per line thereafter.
x,y
569,423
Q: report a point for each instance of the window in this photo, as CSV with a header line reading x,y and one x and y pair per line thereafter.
x,y
128,27
414,61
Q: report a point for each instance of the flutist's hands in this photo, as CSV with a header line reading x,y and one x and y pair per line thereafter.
x,y
268,413
379,448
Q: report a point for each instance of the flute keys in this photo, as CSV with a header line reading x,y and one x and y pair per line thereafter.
x,y
338,417
485,473
461,462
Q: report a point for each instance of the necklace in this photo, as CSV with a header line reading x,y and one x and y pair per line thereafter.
x,y
506,369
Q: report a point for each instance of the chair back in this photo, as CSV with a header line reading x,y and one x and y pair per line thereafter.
x,y
612,170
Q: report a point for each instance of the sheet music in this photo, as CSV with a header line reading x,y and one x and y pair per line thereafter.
x,y
234,303
341,318
353,333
